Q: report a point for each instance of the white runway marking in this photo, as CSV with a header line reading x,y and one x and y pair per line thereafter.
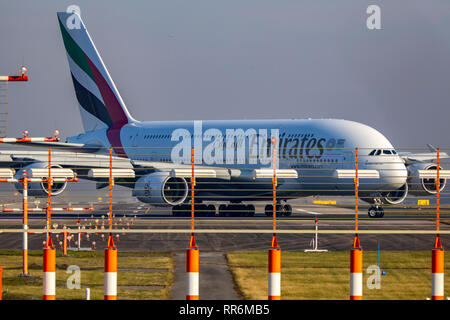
x,y
306,211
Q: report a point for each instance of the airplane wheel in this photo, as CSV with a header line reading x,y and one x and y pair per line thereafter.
x,y
380,212
280,210
287,210
222,210
268,210
176,211
373,212
250,210
181,210
234,210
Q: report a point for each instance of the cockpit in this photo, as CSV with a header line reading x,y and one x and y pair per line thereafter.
x,y
378,152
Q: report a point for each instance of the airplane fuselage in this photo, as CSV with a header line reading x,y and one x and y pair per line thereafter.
x,y
315,148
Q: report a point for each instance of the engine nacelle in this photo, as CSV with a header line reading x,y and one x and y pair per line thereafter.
x,y
160,189
39,189
395,196
423,187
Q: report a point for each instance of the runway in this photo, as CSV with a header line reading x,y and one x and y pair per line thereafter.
x,y
132,216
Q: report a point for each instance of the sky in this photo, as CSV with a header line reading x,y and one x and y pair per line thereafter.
x,y
241,59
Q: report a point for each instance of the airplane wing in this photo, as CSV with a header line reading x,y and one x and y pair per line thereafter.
x,y
410,158
82,162
76,147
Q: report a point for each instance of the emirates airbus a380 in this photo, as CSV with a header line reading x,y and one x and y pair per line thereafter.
x,y
233,159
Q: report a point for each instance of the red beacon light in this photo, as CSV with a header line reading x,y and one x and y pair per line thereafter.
x,y
23,70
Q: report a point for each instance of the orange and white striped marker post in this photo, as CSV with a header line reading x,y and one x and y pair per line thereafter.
x,y
437,254
25,225
356,275
437,270
356,253
49,191
111,184
1,284
49,268
274,288
192,269
192,252
274,285
110,280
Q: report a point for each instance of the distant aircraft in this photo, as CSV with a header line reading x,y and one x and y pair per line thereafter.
x,y
233,159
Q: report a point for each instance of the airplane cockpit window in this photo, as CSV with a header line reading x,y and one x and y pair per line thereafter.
x,y
372,152
393,151
387,151
378,152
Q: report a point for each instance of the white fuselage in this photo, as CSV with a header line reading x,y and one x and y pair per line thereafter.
x,y
315,148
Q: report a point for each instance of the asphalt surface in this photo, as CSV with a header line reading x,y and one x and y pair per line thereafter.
x,y
133,216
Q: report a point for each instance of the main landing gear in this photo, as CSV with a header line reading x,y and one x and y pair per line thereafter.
x,y
282,210
376,210
236,210
229,210
203,210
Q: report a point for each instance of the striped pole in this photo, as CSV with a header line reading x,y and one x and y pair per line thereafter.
x,y
356,275
110,280
192,269
49,268
25,225
111,184
274,271
437,254
65,243
1,289
274,286
49,190
192,253
356,182
437,270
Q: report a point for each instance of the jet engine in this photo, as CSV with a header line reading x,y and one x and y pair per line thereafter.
x,y
39,189
420,186
160,189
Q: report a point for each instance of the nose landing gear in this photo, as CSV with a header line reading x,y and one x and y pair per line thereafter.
x,y
376,211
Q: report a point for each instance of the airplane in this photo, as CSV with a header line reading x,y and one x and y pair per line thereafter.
x,y
234,160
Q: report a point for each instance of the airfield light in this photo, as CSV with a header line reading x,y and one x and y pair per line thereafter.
x,y
23,70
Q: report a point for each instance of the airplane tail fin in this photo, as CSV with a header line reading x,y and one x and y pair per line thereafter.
x,y
99,100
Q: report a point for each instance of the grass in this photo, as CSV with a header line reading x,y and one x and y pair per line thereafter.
x,y
315,276
91,265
